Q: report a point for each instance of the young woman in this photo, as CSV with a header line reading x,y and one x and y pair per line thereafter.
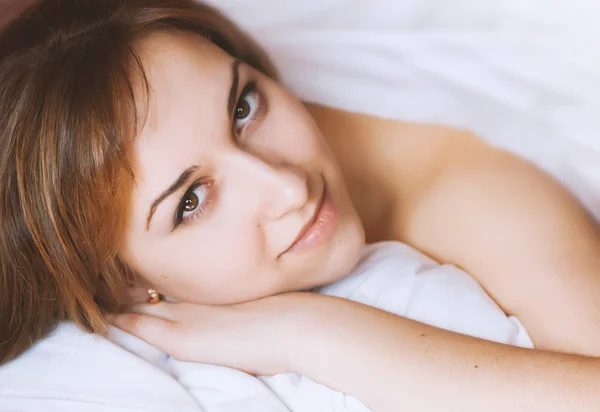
x,y
146,143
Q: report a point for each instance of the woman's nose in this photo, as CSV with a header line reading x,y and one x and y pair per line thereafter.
x,y
290,192
286,190
282,188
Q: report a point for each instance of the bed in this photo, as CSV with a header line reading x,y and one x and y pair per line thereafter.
x,y
524,74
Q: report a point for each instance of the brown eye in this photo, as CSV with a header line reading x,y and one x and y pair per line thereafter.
x,y
191,203
243,110
194,203
248,108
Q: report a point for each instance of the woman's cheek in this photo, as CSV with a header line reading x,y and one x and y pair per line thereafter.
x,y
296,140
225,274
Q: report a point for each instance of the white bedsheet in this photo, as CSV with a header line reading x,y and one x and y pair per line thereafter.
x,y
74,372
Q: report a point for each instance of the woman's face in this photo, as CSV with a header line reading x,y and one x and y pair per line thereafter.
x,y
237,194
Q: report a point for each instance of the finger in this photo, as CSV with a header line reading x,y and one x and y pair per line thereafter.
x,y
156,331
161,310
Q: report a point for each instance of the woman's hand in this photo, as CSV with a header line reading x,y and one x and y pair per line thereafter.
x,y
255,337
386,361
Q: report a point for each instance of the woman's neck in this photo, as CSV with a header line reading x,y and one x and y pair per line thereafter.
x,y
346,134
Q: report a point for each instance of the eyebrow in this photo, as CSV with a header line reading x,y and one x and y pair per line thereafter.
x,y
235,68
185,176
178,184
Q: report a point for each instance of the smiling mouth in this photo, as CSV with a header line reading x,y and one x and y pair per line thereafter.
x,y
319,227
312,220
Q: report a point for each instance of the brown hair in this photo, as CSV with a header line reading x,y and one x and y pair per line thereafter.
x,y
67,116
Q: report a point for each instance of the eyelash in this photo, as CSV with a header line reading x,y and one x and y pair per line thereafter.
x,y
250,88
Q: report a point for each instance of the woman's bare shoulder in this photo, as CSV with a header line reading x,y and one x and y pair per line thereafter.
x,y
499,217
406,146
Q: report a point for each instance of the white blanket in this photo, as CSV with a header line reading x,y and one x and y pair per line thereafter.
x,y
72,371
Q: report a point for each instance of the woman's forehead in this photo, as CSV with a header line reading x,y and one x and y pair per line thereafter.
x,y
179,47
188,81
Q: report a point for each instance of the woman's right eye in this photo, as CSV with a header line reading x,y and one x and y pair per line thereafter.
x,y
193,200
194,203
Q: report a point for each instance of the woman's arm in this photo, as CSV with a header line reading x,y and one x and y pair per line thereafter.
x,y
517,231
521,235
394,364
388,362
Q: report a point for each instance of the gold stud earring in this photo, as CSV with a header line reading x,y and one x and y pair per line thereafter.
x,y
153,297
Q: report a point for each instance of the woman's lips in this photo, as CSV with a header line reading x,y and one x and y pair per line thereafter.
x,y
319,229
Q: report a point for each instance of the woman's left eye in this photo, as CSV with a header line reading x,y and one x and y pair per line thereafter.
x,y
248,107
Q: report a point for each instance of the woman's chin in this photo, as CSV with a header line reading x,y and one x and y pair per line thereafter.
x,y
346,252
